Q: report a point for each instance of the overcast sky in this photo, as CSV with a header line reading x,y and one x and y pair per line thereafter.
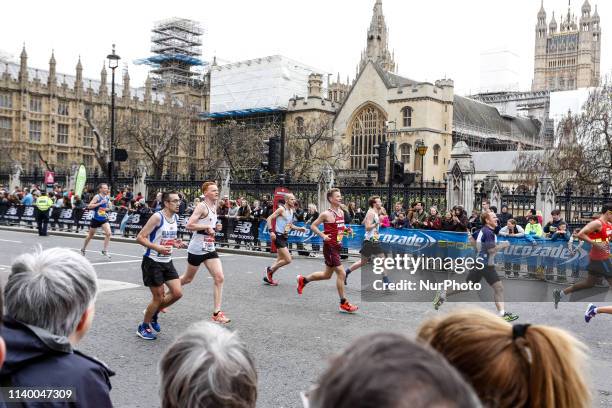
x,y
432,39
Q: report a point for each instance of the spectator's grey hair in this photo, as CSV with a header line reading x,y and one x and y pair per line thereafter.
x,y
207,366
50,289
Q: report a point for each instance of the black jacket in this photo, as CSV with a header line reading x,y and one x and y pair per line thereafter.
x,y
37,358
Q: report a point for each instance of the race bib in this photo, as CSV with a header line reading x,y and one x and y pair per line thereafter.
x,y
102,212
166,242
209,244
287,228
340,232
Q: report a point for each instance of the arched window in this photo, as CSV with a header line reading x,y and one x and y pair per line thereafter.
x,y
405,153
299,125
367,130
407,116
436,153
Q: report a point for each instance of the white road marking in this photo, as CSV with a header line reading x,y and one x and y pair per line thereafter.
x,y
131,261
105,285
10,240
112,253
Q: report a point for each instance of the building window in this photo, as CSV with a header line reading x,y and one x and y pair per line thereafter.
x,y
367,129
35,104
35,130
88,137
62,133
5,100
436,154
88,161
405,150
33,158
62,108
299,125
87,111
6,128
62,160
407,116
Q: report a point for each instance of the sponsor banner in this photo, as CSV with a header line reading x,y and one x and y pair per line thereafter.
x,y
238,230
29,214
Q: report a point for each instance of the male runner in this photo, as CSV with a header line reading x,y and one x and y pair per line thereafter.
x,y
201,249
598,233
487,247
283,215
371,247
99,204
159,236
593,310
333,232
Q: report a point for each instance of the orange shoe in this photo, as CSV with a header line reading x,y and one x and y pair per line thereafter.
x,y
220,318
346,307
300,284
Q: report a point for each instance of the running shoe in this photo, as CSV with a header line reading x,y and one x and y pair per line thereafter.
x,y
346,307
154,323
557,297
300,284
83,251
220,318
268,278
144,331
438,300
106,255
590,312
385,279
347,271
509,317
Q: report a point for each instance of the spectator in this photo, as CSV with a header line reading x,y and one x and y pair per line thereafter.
x,y
512,229
50,300
129,194
384,219
183,203
433,221
224,206
359,216
352,213
561,234
157,203
244,211
449,222
207,366
400,221
397,208
387,370
504,216
232,211
78,203
533,228
516,366
460,218
138,197
485,205
419,215
28,198
553,225
474,221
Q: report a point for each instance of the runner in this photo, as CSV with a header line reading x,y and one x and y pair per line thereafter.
x,y
371,247
159,236
99,204
283,215
203,223
487,246
598,233
593,310
333,232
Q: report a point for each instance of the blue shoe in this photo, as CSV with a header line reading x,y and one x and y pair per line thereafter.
x,y
590,312
145,332
154,324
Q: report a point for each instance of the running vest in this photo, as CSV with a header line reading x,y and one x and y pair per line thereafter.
x,y
201,244
164,234
373,234
100,212
604,235
283,222
335,229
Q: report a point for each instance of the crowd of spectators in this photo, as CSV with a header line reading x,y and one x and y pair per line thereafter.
x,y
468,358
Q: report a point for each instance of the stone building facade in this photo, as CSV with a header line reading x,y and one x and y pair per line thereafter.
x,y
44,112
567,56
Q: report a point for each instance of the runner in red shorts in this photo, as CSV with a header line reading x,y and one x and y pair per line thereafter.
x,y
333,231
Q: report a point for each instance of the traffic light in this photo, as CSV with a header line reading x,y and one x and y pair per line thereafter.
x,y
398,172
381,166
272,153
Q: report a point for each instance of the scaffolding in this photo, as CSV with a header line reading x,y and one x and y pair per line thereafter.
x,y
177,48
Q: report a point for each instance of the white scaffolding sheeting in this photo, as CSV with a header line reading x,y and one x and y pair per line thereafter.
x,y
267,82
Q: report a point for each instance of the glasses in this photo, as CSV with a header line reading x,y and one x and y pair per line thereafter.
x,y
174,201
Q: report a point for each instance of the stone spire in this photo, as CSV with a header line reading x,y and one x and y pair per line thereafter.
x,y
78,84
126,84
377,48
52,79
103,90
23,67
148,87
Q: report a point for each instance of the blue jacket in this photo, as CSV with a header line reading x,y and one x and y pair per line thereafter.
x,y
37,358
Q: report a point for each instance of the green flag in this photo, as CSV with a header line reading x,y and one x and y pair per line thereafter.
x,y
81,177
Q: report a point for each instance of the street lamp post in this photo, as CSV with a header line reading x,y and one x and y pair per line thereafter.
x,y
113,63
421,149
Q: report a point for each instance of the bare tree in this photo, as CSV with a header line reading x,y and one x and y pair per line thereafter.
x,y
582,153
161,135
100,148
310,146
